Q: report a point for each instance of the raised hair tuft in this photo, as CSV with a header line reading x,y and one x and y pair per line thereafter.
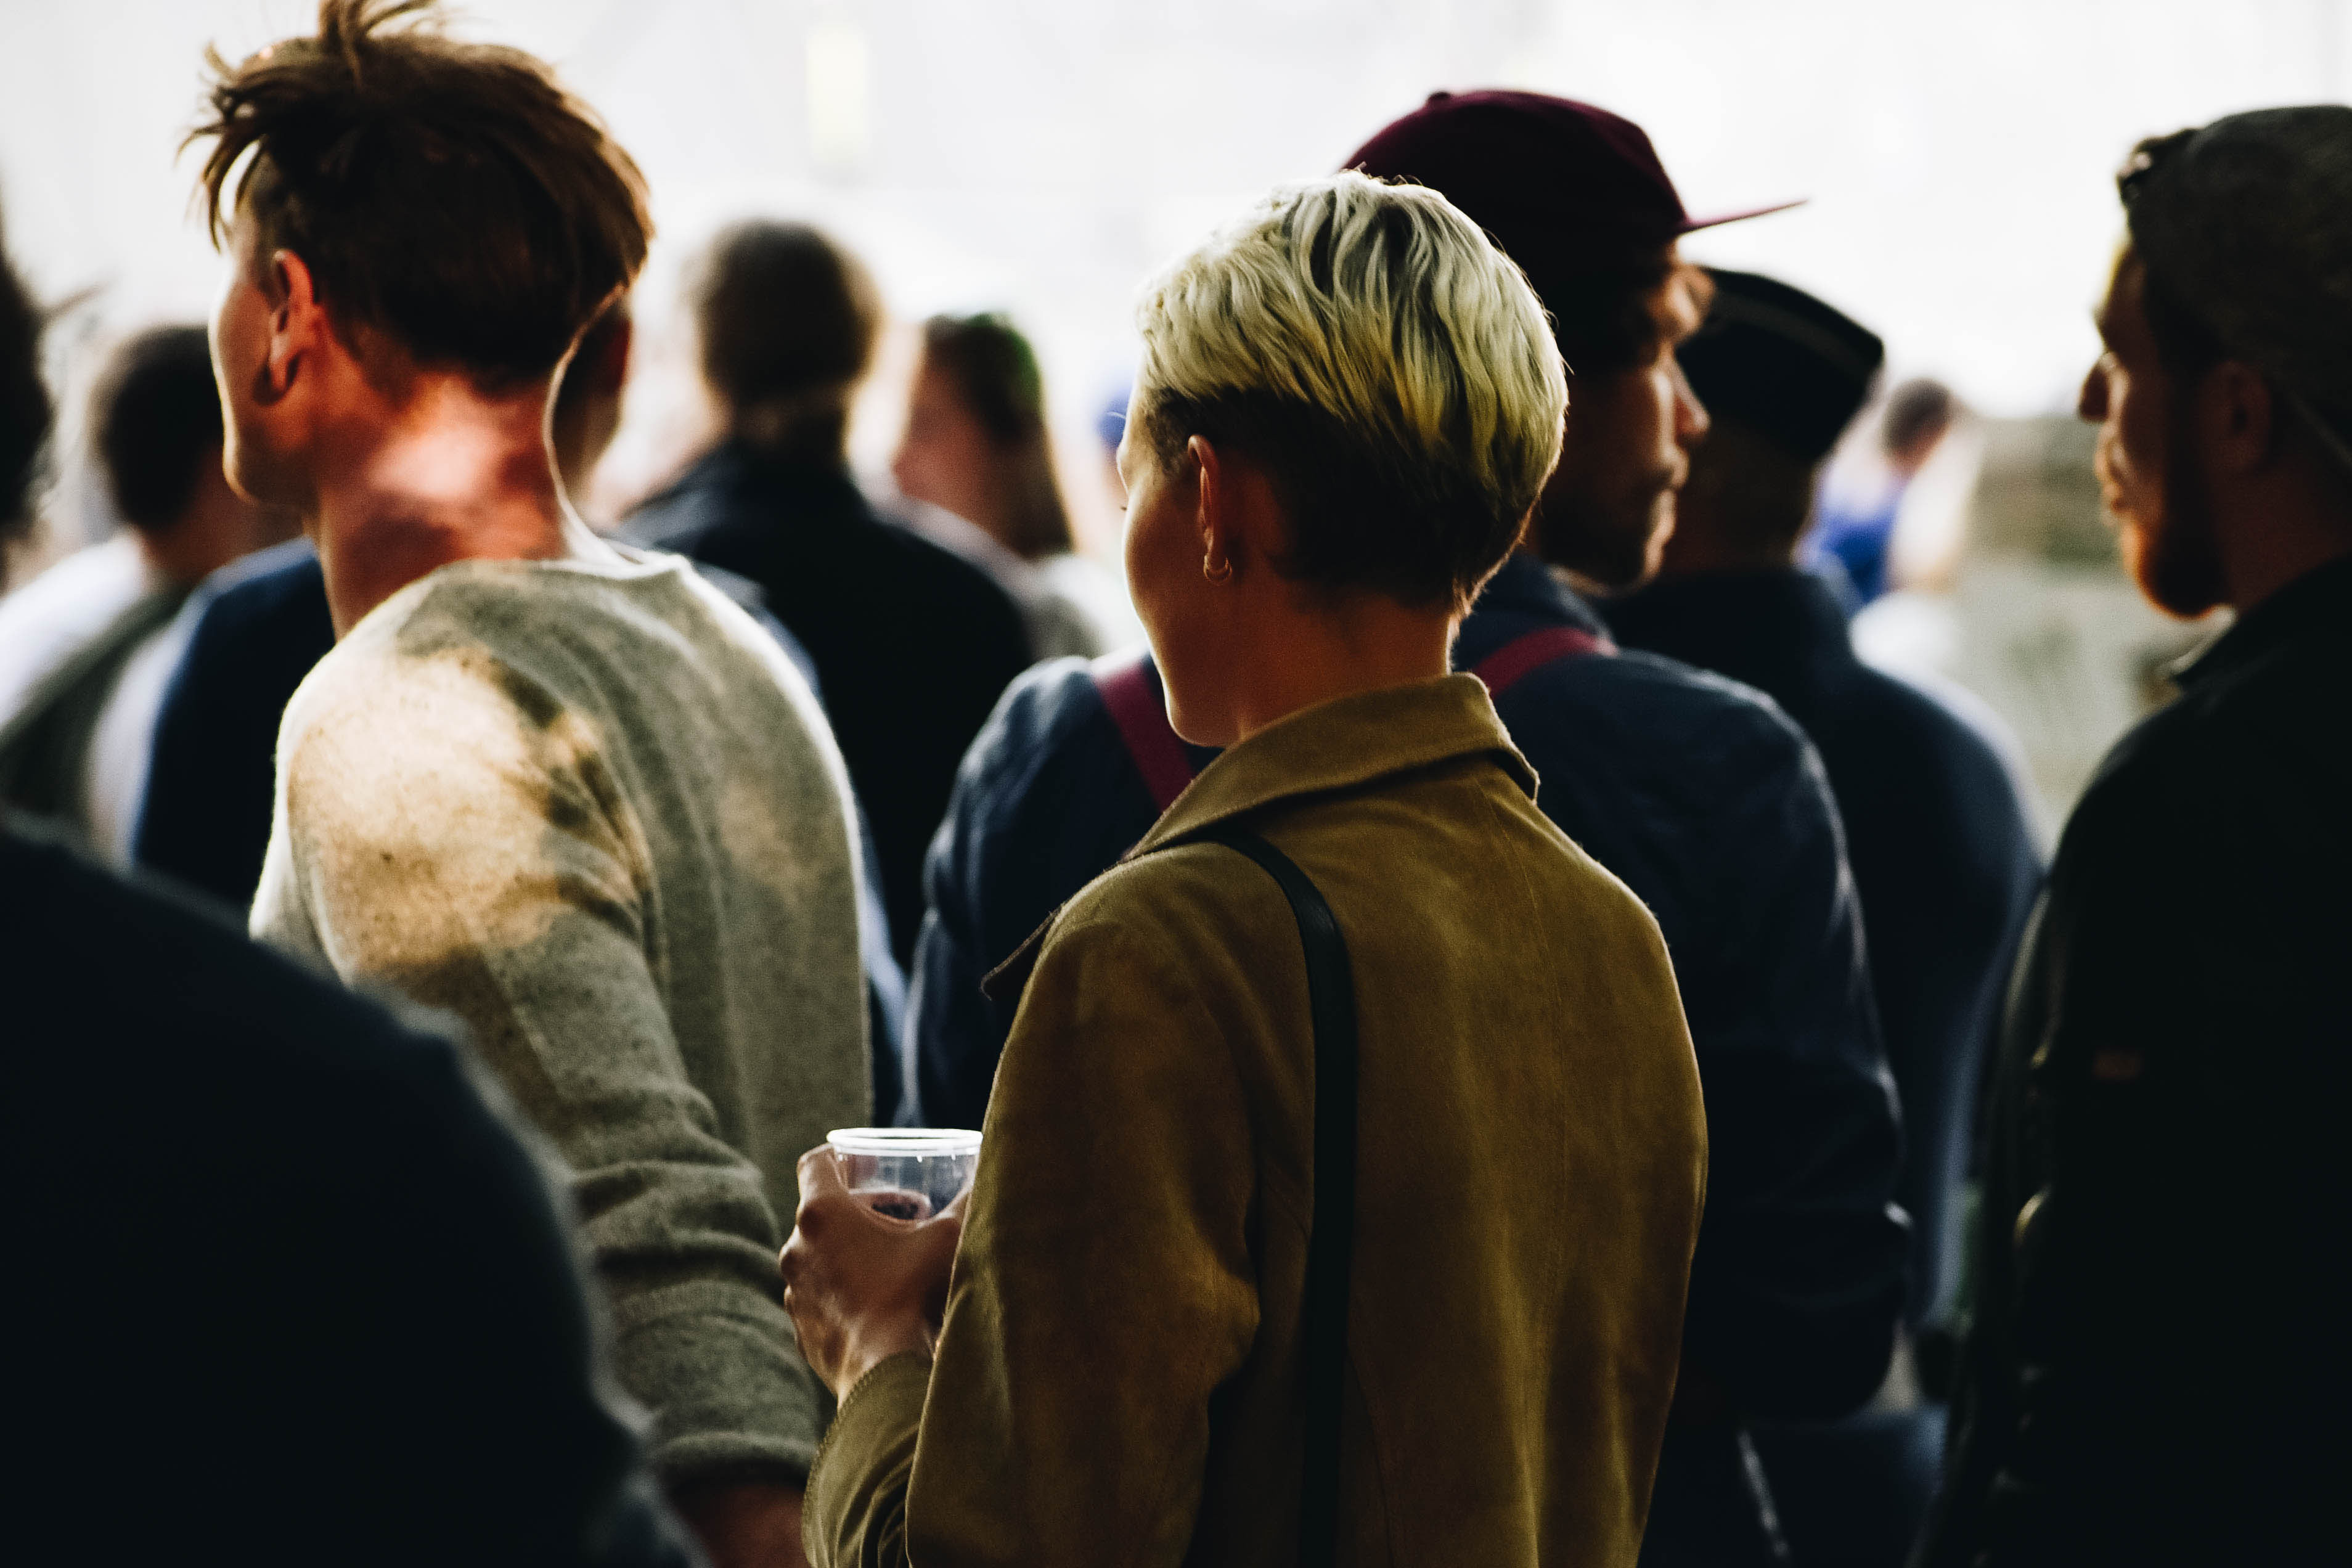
x,y
451,195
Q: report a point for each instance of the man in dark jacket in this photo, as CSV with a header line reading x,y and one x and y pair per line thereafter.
x,y
260,626
913,645
1943,857
2158,1369
1703,797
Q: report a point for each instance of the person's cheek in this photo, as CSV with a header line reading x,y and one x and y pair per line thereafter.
x,y
2135,458
1140,541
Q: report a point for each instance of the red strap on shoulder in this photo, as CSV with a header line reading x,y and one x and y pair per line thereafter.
x,y
1523,656
1142,720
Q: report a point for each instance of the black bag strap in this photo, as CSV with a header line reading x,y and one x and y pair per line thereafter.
x,y
1331,1235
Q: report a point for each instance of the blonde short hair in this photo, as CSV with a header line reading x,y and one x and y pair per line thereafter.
x,y
1368,346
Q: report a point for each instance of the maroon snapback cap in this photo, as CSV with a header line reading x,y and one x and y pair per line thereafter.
x,y
1565,188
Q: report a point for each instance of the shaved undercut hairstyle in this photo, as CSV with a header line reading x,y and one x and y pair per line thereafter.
x,y
452,197
1391,371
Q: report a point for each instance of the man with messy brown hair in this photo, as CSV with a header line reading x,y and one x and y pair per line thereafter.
x,y
560,788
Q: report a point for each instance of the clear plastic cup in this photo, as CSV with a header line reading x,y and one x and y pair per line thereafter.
x,y
906,1172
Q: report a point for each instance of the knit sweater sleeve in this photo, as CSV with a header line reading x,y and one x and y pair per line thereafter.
x,y
451,832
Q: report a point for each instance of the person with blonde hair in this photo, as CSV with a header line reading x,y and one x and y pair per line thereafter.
x,y
1346,1160
1700,794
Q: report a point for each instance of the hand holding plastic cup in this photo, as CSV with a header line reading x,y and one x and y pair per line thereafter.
x,y
906,1172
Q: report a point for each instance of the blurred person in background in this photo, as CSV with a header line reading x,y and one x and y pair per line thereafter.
x,y
2158,1370
1943,857
912,643
24,399
1701,795
1854,529
564,790
1348,402
976,446
385,1372
255,629
74,748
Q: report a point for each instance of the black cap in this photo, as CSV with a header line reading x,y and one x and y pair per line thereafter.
x,y
1779,361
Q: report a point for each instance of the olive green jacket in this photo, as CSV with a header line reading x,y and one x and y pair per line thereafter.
x,y
1118,1378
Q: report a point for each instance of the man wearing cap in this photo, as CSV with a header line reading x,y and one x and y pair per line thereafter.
x,y
2157,1372
1943,857
1700,796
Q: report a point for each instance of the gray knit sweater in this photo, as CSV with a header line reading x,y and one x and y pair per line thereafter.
x,y
590,808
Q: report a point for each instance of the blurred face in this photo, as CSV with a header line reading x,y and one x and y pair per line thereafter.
x,y
261,433
2146,464
1609,505
215,527
945,457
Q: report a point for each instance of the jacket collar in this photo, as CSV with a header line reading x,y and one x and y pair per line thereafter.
x,y
1322,750
1342,745
1525,585
2316,605
1727,620
735,465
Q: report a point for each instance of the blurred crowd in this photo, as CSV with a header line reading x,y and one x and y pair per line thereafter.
x,y
1638,1092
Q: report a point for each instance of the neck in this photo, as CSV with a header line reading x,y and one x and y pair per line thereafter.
x,y
812,429
2272,550
1366,644
1693,553
2280,524
450,475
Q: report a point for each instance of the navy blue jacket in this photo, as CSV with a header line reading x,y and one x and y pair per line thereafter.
x,y
1943,856
1709,805
214,776
282,1289
211,785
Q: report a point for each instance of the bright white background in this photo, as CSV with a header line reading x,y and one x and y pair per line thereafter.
x,y
1041,156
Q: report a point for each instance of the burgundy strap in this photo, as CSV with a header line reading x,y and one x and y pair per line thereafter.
x,y
1142,720
1523,656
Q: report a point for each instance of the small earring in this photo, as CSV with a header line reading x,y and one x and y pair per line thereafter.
x,y
1215,570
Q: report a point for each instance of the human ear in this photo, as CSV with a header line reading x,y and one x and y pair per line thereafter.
x,y
294,316
2238,418
1211,502
2091,403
